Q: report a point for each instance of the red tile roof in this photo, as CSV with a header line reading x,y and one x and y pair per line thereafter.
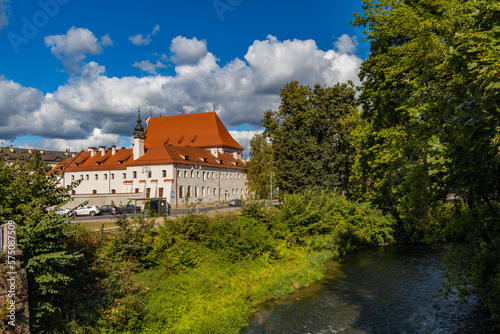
x,y
84,162
168,154
169,140
197,130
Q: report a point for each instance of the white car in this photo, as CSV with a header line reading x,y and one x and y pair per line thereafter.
x,y
86,210
62,211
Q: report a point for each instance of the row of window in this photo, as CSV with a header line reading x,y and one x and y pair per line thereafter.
x,y
113,191
205,191
149,174
208,175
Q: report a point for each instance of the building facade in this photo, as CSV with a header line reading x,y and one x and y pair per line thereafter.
x,y
51,158
181,157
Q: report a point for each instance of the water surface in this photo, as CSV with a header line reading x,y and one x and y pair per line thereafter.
x,y
391,289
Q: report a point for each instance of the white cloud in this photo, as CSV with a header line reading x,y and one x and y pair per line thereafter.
x,y
106,40
140,40
73,47
187,51
346,44
97,138
240,91
243,138
17,101
146,66
149,67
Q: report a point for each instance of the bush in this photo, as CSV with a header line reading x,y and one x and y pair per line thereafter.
x,y
329,220
245,238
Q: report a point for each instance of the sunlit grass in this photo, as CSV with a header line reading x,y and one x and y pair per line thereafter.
x,y
219,297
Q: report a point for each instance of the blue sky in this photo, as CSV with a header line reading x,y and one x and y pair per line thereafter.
x,y
73,72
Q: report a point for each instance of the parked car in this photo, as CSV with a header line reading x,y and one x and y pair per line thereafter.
x,y
129,208
62,211
86,210
235,202
106,209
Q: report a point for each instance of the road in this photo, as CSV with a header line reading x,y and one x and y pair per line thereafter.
x,y
173,212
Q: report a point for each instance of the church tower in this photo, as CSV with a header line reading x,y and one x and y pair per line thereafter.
x,y
139,136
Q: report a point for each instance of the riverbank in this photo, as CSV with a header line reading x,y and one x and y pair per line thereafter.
x,y
208,273
219,297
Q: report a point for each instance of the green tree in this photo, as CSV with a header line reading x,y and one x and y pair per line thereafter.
x,y
26,194
430,123
259,167
309,137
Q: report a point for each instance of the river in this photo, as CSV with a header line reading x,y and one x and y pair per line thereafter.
x,y
392,289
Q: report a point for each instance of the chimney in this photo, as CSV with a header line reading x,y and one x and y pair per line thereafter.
x,y
113,150
214,151
102,149
92,151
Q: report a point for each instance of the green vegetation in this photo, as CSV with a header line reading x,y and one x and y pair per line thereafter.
x,y
201,274
429,129
309,135
418,162
259,168
55,262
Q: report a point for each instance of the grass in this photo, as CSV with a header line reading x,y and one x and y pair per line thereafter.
x,y
219,297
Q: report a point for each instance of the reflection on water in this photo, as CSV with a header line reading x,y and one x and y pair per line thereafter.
x,y
384,290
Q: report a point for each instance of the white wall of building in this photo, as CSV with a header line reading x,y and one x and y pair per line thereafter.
x,y
208,184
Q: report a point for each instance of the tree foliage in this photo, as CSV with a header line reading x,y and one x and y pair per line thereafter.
x,y
310,137
259,167
26,194
430,122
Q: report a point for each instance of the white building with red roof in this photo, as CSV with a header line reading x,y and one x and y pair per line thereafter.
x,y
189,155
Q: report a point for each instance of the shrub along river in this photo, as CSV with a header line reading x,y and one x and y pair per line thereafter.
x,y
391,289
